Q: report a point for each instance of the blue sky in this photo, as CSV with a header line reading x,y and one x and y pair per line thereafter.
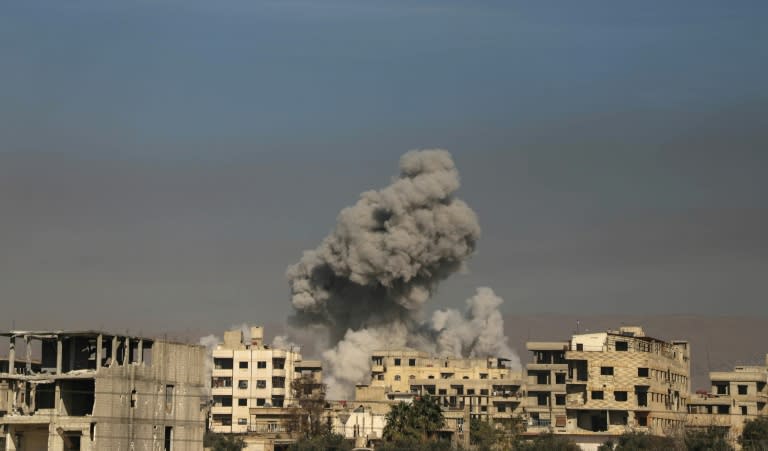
x,y
183,153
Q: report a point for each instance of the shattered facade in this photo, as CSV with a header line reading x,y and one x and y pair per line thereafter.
x,y
600,385
93,390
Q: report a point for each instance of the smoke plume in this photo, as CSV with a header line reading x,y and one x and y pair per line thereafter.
x,y
363,288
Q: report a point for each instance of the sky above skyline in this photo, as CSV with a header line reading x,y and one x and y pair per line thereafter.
x,y
174,157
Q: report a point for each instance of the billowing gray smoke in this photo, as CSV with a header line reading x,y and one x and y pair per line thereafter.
x,y
364,286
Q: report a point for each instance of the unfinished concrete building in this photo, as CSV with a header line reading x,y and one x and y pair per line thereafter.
x,y
93,390
735,397
597,386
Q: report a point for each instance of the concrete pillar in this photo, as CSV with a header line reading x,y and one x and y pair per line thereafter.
x,y
72,352
12,355
127,351
140,351
114,351
59,354
29,354
99,356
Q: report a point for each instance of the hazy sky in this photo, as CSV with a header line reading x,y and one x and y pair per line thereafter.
x,y
162,162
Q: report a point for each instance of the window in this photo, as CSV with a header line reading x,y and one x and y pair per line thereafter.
x,y
261,364
501,408
722,389
542,378
559,378
542,399
243,365
597,394
242,421
606,371
743,410
168,438
242,402
411,377
483,408
397,377
642,372
620,395
560,400
278,382
579,346
222,364
622,346
380,377
742,389
259,402
397,362
261,383
723,409
133,398
470,391
442,391
483,392
242,385
483,375
411,362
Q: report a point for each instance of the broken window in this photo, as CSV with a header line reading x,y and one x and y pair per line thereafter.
x,y
222,363
133,355
146,353
560,400
559,378
45,396
222,401
77,397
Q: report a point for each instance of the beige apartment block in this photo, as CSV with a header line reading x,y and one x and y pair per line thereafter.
x,y
604,384
93,390
483,388
735,397
251,385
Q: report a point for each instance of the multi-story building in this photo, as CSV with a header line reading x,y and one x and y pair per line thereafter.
x,y
599,385
251,384
93,390
735,397
482,388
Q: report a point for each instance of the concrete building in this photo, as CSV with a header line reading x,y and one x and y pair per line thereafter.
x,y
599,385
251,386
735,397
93,390
466,388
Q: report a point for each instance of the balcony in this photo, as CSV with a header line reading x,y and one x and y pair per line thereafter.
x,y
546,366
545,388
221,410
221,391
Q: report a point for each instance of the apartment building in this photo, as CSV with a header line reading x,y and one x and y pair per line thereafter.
x,y
483,388
735,397
92,390
599,385
251,384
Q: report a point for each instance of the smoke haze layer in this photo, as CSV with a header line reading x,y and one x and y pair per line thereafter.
x,y
363,288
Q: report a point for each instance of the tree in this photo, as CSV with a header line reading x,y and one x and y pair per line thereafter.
x,y
223,442
482,434
546,442
633,441
323,442
306,417
755,434
710,439
413,423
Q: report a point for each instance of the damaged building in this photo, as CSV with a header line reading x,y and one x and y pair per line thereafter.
x,y
91,390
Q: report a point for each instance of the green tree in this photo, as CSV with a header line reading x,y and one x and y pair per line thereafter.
x,y
326,441
482,434
635,441
710,439
546,442
223,442
413,423
754,437
306,417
